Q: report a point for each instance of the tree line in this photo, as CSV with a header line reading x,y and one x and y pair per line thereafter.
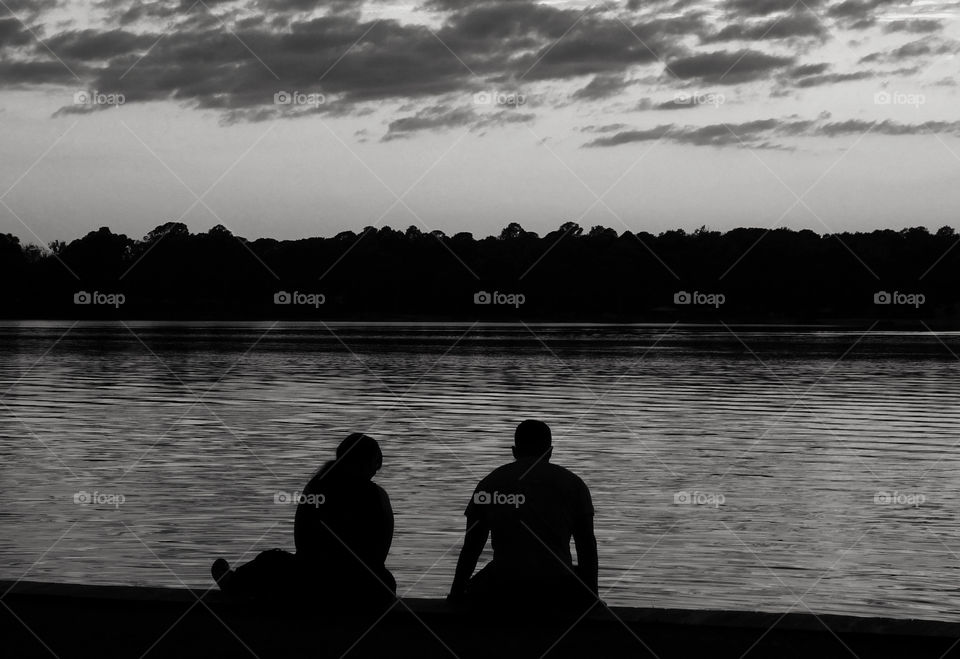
x,y
569,274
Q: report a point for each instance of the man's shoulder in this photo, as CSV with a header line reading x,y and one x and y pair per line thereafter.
x,y
542,470
503,472
562,473
568,478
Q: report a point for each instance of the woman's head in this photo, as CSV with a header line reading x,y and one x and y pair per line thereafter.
x,y
359,455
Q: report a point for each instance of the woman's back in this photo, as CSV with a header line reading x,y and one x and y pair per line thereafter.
x,y
345,525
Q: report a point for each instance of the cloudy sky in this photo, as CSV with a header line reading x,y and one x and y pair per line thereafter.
x,y
290,118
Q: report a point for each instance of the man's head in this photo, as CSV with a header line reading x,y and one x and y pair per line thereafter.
x,y
532,440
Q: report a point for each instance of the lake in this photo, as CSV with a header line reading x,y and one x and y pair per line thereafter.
x,y
811,469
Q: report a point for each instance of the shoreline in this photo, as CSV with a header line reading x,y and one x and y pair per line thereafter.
x,y
873,325
87,620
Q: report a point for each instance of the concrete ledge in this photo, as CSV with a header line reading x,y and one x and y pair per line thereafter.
x,y
54,619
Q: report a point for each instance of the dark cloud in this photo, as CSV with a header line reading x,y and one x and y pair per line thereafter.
x,y
859,14
16,74
833,78
606,128
888,127
688,101
233,56
808,70
924,47
235,65
798,24
766,7
916,26
13,33
94,45
627,136
764,133
439,117
728,67
435,116
602,86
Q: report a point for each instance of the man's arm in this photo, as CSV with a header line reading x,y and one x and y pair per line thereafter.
x,y
474,541
586,541
587,561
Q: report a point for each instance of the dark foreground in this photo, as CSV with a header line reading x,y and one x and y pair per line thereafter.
x,y
61,620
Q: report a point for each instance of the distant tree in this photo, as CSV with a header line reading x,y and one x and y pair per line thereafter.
x,y
768,275
512,231
168,229
220,231
602,232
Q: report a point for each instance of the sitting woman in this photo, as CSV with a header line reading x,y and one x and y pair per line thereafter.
x,y
342,530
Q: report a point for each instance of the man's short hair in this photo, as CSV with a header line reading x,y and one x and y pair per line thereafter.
x,y
532,438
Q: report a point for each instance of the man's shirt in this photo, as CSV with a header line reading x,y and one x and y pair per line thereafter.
x,y
532,509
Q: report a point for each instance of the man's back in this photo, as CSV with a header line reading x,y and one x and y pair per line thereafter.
x,y
532,509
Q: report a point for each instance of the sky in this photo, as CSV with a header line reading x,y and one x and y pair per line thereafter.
x,y
295,118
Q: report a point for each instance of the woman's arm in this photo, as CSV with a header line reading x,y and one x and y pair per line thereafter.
x,y
388,521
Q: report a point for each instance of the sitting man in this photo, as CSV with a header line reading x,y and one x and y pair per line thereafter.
x,y
531,508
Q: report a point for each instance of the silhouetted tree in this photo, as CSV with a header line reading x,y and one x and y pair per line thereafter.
x,y
777,275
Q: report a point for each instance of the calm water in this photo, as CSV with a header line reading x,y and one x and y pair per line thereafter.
x,y
198,427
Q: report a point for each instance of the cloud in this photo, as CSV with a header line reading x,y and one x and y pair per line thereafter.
x,y
441,117
728,67
918,48
602,86
808,69
799,24
13,33
236,61
606,128
833,78
888,127
435,116
915,26
29,10
95,45
15,74
746,8
764,133
859,14
233,56
627,136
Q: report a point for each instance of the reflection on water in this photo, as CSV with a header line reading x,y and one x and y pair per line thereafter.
x,y
199,426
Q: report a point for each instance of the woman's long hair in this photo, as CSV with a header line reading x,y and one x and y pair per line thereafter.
x,y
358,458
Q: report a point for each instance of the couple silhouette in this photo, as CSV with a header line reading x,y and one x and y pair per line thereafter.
x,y
530,509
